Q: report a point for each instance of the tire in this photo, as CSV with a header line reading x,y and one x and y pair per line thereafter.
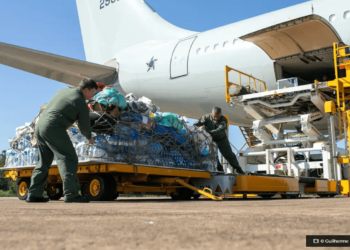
x,y
110,188
266,196
196,196
83,190
22,187
95,187
289,196
55,192
183,194
116,195
326,195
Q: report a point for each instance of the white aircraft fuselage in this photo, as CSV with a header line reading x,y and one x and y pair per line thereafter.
x,y
156,70
128,45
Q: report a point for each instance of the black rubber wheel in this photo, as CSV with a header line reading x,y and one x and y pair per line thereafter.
x,y
22,186
110,188
326,195
116,195
266,196
95,187
55,192
196,196
289,196
183,194
84,190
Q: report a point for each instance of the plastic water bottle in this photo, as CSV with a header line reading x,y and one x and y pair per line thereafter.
x,y
81,148
21,144
9,158
26,157
33,156
171,162
17,161
79,138
27,141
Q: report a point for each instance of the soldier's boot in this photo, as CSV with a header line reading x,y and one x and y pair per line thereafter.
x,y
37,199
78,199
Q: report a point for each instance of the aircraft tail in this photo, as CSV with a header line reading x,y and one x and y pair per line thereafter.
x,y
109,26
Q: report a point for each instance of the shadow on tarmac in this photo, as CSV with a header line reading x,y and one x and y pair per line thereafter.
x,y
169,200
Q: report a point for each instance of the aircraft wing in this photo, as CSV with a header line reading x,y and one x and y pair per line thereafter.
x,y
59,68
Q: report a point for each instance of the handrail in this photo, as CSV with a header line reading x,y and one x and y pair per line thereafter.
x,y
251,80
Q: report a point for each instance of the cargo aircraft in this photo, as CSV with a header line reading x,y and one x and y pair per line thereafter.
x,y
130,47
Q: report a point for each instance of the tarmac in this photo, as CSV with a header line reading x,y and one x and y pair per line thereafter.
x,y
144,223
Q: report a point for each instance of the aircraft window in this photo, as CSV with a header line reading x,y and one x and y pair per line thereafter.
x,y
198,51
347,14
216,45
206,49
235,40
332,18
225,43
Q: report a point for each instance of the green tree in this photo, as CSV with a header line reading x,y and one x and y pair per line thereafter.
x,y
7,186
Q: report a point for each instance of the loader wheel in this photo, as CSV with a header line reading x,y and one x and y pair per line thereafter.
x,y
110,188
289,196
22,188
183,194
266,196
116,195
95,187
55,192
196,196
84,190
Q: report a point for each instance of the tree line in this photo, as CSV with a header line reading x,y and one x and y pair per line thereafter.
x,y
7,186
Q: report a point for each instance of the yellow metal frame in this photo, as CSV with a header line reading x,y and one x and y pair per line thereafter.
x,y
344,187
342,87
251,80
329,107
162,180
320,186
254,183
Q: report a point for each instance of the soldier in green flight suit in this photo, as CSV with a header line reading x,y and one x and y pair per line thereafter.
x,y
65,107
216,125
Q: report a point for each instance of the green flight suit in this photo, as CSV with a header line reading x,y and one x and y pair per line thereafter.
x,y
217,129
65,107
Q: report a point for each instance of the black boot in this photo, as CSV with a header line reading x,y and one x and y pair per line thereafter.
x,y
78,199
37,199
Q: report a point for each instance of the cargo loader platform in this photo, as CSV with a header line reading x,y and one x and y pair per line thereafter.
x,y
295,130
105,181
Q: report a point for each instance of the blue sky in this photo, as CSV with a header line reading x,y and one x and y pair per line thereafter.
x,y
53,26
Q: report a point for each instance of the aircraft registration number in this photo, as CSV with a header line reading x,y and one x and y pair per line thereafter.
x,y
106,3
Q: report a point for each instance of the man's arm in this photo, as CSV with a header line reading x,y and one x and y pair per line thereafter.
x,y
220,130
200,122
84,121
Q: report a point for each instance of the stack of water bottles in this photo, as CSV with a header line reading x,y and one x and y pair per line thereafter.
x,y
23,153
142,136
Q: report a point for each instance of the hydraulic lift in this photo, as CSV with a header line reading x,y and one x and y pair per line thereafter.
x,y
296,129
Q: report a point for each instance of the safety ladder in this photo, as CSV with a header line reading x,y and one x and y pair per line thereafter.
x,y
247,133
341,85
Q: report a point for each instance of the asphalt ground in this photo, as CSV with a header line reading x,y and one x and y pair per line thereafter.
x,y
165,224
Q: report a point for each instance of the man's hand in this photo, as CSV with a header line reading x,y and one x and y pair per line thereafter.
x,y
92,141
202,127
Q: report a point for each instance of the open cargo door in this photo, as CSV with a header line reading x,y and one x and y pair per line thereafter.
x,y
295,37
301,47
